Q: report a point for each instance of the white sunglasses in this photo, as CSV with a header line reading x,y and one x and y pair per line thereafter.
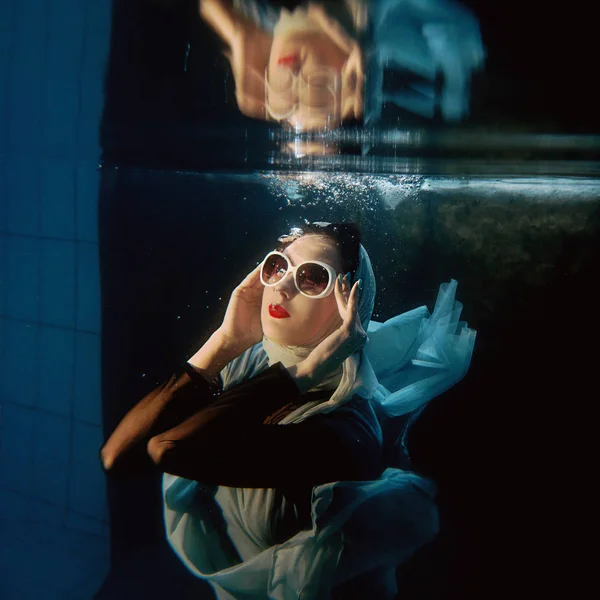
x,y
313,279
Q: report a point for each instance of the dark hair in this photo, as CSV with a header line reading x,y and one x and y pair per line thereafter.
x,y
346,237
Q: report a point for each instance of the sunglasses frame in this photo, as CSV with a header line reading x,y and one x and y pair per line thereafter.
x,y
291,269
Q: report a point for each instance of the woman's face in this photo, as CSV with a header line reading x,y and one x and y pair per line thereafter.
x,y
317,61
311,48
310,320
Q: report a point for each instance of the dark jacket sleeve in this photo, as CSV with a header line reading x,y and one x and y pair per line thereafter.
x,y
166,406
227,442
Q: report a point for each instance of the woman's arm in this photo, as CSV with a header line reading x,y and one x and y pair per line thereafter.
x,y
222,17
178,399
215,354
170,403
227,443
248,50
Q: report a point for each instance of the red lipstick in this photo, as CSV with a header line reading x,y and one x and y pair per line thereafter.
x,y
278,312
288,60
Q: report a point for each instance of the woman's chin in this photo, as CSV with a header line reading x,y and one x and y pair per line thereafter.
x,y
275,332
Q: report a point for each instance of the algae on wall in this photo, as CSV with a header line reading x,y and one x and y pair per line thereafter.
x,y
504,252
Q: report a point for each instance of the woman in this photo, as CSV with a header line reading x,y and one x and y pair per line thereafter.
x,y
270,436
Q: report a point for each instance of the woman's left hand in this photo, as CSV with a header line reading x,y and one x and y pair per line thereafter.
x,y
342,343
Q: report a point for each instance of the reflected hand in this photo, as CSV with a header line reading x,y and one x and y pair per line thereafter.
x,y
349,338
248,48
242,327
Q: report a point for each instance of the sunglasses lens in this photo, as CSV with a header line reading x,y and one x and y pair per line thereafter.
x,y
274,269
312,279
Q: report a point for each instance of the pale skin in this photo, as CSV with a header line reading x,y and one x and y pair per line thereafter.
x,y
330,324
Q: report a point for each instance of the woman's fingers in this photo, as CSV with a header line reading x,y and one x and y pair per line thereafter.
x,y
340,297
347,298
353,299
255,276
250,285
346,285
252,279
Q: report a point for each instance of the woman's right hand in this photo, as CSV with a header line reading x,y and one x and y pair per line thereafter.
x,y
242,327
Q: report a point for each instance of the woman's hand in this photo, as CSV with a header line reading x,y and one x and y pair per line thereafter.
x,y
248,51
242,327
342,343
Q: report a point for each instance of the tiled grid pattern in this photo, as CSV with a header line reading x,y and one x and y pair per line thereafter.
x,y
52,494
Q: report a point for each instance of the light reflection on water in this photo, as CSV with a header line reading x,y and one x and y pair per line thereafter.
x,y
388,191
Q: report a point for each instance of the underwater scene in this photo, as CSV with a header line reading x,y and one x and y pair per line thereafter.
x,y
297,299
